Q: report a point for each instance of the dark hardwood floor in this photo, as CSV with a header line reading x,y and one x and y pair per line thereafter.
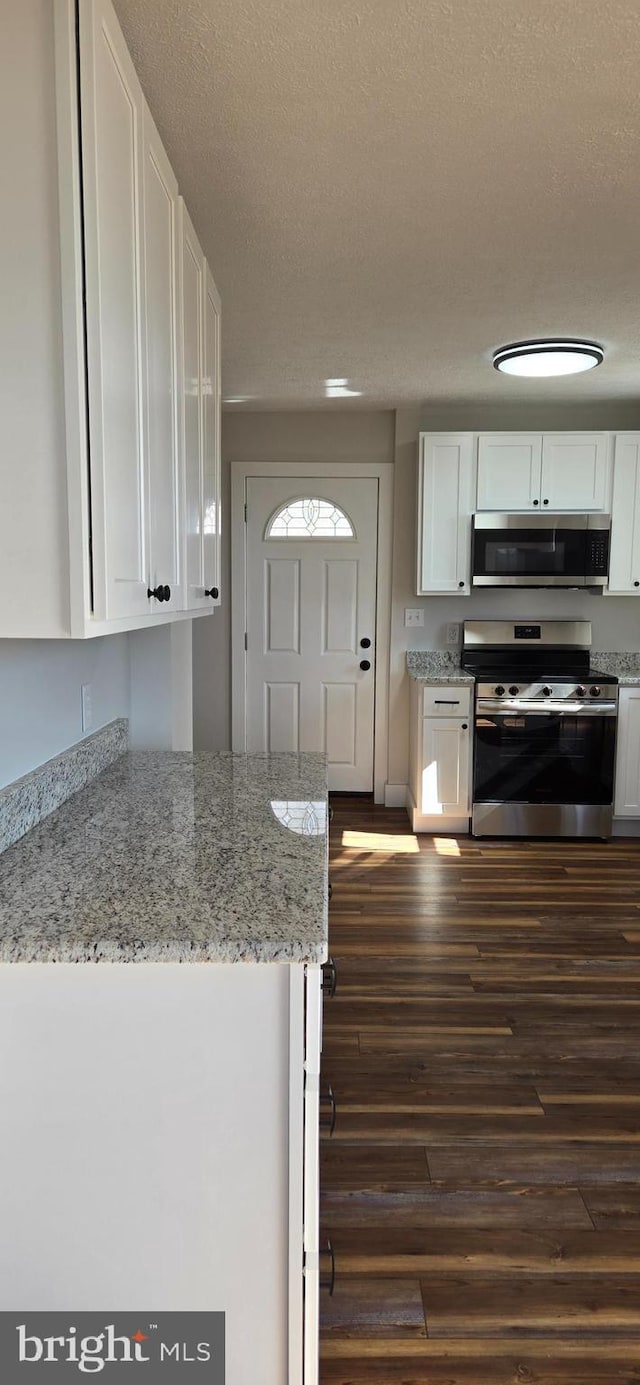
x,y
482,1186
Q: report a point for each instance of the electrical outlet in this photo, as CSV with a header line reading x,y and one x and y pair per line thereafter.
x,y
453,633
87,707
413,616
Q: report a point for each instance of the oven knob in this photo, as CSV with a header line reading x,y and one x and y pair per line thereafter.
x,y
595,692
499,691
513,690
581,692
546,692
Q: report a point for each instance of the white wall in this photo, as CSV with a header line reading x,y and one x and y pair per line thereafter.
x,y
40,697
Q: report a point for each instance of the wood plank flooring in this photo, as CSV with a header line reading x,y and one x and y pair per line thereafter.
x,y
482,1187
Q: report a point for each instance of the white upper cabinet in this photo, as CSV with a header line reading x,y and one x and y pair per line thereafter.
x,y
200,421
575,471
112,107
624,565
446,485
163,469
555,471
211,529
94,534
509,470
192,280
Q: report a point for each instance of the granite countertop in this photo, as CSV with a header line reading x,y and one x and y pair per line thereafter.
x,y
437,666
626,667
173,857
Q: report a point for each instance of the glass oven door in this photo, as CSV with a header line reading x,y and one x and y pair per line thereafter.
x,y
542,757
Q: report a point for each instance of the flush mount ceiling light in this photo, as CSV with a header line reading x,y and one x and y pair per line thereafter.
x,y
550,356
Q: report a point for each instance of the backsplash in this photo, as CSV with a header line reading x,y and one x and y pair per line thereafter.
x,y
28,800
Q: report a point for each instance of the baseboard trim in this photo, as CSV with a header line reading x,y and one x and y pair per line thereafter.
x,y
626,827
395,795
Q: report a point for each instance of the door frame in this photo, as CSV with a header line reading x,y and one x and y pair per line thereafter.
x,y
324,471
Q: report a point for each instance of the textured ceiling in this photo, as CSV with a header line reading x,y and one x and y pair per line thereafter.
x,y
387,189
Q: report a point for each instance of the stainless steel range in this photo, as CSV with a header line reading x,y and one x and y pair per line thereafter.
x,y
545,730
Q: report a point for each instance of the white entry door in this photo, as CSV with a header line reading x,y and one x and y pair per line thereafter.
x,y
311,555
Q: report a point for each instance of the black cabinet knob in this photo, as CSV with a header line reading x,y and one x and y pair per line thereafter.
x,y
545,502
366,644
365,665
465,726
536,502
212,591
159,593
461,584
636,584
167,593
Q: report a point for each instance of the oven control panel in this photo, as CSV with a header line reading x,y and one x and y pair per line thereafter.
x,y
564,696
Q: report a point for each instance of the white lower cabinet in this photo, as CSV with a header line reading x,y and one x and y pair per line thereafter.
x,y
627,786
440,758
178,1108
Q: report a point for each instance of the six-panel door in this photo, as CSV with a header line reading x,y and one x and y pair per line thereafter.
x,y
311,550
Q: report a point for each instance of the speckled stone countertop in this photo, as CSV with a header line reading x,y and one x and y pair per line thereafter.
x,y
436,666
172,857
626,667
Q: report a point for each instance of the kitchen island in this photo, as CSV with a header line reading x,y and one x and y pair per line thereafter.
x,y
161,940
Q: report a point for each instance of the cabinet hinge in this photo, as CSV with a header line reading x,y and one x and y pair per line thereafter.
x,y
245,639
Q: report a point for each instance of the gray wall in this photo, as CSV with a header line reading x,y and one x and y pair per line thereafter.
x,y
40,695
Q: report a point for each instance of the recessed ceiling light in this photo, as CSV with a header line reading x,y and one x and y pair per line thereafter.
x,y
551,356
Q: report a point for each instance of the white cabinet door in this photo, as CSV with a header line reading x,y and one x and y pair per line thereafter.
x,y
112,112
575,471
311,1209
211,397
509,471
444,787
624,566
627,792
445,504
192,281
160,191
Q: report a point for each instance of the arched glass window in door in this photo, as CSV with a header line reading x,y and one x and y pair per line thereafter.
x,y
308,819
308,517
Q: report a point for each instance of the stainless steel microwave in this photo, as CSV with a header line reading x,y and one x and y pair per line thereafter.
x,y
540,550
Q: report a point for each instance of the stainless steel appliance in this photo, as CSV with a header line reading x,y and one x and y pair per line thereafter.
x,y
545,730
540,550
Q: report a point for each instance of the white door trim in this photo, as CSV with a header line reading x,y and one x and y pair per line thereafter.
x,y
383,471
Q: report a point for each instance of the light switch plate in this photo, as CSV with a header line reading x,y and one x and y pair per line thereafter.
x,y
413,616
87,707
453,633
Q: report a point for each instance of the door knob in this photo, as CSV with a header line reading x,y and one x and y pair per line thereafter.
x,y
365,643
212,591
365,665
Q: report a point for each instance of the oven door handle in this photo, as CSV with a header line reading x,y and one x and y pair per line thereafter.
x,y
549,709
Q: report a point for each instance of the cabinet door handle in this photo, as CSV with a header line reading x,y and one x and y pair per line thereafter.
x,y
446,701
329,1283
159,593
329,978
330,1097
461,584
465,726
212,591
536,502
636,584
